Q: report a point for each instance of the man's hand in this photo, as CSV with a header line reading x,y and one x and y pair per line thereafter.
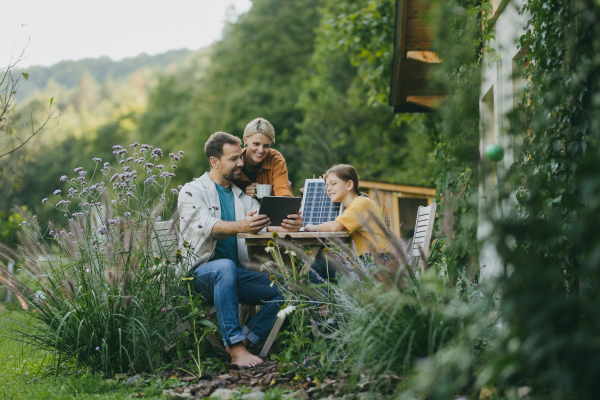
x,y
251,189
254,222
293,223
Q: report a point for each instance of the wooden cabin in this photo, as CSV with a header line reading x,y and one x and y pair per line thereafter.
x,y
402,202
413,59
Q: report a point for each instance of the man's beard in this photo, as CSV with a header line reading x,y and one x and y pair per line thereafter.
x,y
234,174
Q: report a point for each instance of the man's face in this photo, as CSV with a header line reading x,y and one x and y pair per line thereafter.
x,y
231,162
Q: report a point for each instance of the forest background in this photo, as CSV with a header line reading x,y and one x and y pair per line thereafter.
x,y
290,62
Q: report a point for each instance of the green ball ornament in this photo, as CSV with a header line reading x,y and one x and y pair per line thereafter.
x,y
494,152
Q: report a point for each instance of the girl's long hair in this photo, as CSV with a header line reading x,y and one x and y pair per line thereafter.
x,y
345,172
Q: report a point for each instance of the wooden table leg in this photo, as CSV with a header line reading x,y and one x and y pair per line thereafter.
x,y
314,253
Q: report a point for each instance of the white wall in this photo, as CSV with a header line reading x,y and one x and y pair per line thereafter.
x,y
497,98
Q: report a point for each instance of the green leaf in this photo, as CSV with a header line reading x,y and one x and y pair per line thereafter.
x,y
51,100
26,76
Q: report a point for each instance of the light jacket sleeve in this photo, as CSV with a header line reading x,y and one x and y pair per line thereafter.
x,y
281,181
197,217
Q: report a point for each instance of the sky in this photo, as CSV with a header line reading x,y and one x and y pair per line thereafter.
x,y
74,29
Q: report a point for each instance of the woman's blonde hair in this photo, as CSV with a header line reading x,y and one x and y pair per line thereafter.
x,y
260,125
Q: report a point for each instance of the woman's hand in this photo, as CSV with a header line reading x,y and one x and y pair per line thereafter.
x,y
251,189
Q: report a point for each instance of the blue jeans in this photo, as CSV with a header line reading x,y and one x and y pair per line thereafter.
x,y
227,285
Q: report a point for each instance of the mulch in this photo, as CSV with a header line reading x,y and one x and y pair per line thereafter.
x,y
267,375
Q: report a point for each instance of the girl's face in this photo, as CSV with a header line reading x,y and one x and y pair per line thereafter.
x,y
337,189
257,147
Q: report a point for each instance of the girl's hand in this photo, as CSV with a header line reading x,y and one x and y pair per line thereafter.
x,y
310,228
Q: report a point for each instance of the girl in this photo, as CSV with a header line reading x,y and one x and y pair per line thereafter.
x,y
361,217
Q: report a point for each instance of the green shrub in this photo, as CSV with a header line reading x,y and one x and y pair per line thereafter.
x,y
104,291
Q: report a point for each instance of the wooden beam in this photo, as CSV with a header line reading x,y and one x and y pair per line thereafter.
x,y
430,57
427,101
393,187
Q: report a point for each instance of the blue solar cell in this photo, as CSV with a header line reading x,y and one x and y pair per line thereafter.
x,y
316,207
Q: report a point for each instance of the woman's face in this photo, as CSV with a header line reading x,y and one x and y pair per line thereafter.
x,y
257,147
337,189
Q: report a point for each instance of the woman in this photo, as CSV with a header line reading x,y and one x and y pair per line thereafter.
x,y
361,217
262,164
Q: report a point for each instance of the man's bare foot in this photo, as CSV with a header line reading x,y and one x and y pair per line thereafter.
x,y
241,357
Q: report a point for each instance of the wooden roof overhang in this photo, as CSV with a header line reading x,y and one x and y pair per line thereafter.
x,y
413,59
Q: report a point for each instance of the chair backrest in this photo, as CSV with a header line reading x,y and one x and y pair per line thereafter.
x,y
166,240
423,232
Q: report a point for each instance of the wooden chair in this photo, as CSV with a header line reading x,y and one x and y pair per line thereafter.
x,y
423,232
166,240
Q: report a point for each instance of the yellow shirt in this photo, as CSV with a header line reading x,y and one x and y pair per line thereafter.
x,y
360,219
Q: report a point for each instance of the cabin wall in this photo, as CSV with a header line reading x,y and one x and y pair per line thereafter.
x,y
501,90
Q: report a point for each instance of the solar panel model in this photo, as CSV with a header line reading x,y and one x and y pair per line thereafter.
x,y
316,206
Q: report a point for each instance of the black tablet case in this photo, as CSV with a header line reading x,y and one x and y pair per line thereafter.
x,y
277,208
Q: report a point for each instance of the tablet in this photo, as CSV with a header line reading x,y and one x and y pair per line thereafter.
x,y
277,208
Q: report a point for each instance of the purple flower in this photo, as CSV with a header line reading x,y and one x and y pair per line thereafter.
x,y
177,158
180,153
114,177
164,309
97,348
113,202
45,199
143,150
122,162
73,179
82,173
113,221
171,154
148,165
134,145
122,151
215,207
193,179
129,194
174,191
145,146
160,166
179,187
63,178
117,147
199,226
173,166
157,153
102,230
106,164
96,159
78,169
127,214
57,191
189,194
129,159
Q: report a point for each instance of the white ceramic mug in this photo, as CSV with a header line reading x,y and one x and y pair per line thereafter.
x,y
263,190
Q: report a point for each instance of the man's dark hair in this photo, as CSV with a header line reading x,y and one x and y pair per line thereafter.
x,y
214,145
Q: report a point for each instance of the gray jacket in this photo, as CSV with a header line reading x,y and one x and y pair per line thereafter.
x,y
202,210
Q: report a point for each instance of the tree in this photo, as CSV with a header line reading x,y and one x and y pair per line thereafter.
x,y
16,134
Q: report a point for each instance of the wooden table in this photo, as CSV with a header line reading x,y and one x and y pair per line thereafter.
x,y
316,240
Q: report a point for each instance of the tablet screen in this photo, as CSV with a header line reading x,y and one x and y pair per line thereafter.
x,y
277,208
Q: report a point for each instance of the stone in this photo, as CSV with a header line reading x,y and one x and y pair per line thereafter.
x,y
133,380
253,396
172,395
224,394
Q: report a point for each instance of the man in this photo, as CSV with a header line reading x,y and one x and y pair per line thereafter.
x,y
213,211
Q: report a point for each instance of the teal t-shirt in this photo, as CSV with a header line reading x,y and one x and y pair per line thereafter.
x,y
226,248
